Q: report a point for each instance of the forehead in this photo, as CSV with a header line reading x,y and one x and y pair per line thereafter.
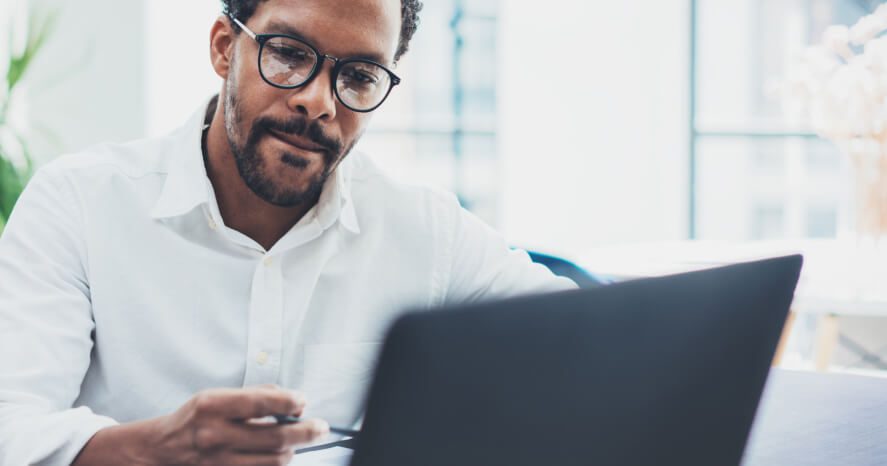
x,y
338,27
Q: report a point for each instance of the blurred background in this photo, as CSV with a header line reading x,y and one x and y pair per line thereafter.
x,y
626,137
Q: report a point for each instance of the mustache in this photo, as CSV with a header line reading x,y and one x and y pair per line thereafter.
x,y
299,127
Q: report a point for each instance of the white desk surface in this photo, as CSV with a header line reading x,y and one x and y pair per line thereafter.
x,y
837,278
338,456
808,418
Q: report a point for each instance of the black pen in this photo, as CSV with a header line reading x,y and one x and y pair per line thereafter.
x,y
284,419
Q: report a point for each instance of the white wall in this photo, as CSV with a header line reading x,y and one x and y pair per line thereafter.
x,y
88,83
180,75
119,70
593,136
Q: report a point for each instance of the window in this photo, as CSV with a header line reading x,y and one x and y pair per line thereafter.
x,y
439,127
753,176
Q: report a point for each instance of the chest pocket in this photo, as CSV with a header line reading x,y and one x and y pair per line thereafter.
x,y
336,377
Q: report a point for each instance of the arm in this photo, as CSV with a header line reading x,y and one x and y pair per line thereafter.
x,y
483,266
45,327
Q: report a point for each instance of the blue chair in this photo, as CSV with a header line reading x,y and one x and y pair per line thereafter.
x,y
564,268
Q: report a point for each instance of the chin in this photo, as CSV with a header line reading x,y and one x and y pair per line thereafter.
x,y
297,180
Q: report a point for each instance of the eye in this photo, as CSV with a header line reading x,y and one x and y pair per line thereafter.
x,y
288,51
361,77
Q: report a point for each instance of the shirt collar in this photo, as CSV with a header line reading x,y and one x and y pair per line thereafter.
x,y
335,201
187,185
186,180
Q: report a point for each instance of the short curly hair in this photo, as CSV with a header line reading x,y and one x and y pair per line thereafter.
x,y
409,14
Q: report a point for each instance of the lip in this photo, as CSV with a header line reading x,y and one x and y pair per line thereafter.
x,y
298,142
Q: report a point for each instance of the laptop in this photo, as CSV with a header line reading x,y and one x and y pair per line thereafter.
x,y
660,371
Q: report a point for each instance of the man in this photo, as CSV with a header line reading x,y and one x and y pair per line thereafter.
x,y
138,281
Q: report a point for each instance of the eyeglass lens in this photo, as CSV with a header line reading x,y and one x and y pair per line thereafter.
x,y
289,62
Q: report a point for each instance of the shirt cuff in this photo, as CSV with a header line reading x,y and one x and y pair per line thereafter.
x,y
49,439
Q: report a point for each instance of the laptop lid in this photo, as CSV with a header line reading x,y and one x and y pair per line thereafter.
x,y
664,370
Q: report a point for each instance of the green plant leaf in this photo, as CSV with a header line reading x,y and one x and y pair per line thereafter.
x,y
11,185
12,178
28,170
39,30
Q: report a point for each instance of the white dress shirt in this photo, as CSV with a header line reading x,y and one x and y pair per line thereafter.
x,y
123,293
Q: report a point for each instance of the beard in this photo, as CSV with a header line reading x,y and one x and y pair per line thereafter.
x,y
252,165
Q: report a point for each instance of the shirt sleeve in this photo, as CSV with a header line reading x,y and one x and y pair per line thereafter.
x,y
46,327
484,266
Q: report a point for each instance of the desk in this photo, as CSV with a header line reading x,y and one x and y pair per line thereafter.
x,y
838,278
808,418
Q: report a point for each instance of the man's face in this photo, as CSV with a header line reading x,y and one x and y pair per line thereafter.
x,y
286,142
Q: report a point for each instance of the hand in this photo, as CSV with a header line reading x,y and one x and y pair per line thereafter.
x,y
212,428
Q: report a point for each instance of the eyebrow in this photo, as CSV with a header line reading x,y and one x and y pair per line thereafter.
x,y
281,28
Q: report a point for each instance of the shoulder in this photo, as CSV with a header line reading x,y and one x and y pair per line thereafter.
x,y
131,160
375,189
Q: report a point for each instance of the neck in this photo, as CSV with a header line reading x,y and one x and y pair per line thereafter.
x,y
242,209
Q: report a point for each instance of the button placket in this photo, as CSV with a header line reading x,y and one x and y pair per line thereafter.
x,y
210,221
265,324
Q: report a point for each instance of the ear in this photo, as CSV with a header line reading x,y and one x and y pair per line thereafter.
x,y
221,46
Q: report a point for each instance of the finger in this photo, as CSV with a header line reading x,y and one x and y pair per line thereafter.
x,y
247,403
270,438
301,402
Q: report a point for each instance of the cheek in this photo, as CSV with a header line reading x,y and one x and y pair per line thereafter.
x,y
253,94
353,125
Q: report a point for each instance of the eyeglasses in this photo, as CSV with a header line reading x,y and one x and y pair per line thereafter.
x,y
287,62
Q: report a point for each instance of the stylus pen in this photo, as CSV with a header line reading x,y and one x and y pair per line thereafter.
x,y
284,419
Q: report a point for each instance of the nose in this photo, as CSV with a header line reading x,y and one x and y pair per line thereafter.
x,y
315,100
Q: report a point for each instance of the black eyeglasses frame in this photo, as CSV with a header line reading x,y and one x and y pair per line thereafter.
x,y
338,64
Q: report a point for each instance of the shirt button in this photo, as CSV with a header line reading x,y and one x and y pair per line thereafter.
x,y
212,224
262,358
268,260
